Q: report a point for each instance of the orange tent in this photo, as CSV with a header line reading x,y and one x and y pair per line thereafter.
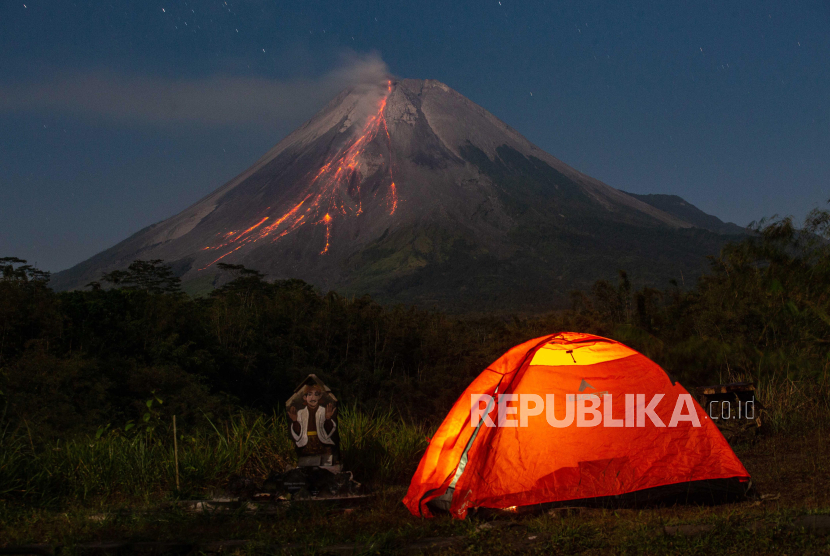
x,y
497,448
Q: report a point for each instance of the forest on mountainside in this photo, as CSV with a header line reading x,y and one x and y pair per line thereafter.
x,y
73,361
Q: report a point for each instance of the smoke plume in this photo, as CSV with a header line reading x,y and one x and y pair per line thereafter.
x,y
209,101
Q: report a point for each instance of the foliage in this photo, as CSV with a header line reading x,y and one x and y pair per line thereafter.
x,y
103,359
150,276
139,461
381,446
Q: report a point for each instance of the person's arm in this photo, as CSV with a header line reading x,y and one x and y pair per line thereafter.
x,y
295,424
329,422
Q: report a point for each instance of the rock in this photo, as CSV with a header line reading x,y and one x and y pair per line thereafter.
x,y
321,481
316,481
295,480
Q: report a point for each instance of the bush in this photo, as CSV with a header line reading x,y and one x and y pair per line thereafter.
x,y
139,463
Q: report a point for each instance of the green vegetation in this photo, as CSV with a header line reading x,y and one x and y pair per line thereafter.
x,y
794,471
138,463
90,380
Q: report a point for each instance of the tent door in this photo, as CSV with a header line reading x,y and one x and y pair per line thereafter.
x,y
444,501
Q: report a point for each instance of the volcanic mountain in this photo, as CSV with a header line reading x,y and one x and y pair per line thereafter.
x,y
410,192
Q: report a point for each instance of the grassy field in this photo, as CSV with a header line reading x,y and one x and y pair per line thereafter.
x,y
72,361
138,463
790,468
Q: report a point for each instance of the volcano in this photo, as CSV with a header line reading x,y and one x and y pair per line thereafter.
x,y
408,191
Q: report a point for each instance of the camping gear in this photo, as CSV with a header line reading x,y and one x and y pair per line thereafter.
x,y
735,410
312,481
626,458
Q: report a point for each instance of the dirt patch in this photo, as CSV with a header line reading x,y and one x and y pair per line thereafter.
x,y
791,470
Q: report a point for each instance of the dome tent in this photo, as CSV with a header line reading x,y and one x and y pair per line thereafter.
x,y
615,428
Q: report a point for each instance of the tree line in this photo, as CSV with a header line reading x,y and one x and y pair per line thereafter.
x,y
74,361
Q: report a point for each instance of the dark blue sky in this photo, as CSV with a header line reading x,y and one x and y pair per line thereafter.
x,y
115,115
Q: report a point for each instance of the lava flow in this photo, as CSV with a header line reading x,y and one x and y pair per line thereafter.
x,y
334,192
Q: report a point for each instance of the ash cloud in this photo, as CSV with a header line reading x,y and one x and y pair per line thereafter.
x,y
217,101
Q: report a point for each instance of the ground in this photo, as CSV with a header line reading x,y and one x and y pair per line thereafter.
x,y
791,472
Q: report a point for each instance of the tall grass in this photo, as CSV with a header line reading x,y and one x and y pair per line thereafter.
x,y
795,405
12,461
378,447
794,399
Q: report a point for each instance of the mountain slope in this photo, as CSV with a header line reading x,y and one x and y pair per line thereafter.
x,y
677,206
408,191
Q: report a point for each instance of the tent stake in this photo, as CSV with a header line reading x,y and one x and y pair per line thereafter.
x,y
176,452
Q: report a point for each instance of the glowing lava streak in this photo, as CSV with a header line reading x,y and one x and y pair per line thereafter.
x,y
252,228
392,190
334,190
327,221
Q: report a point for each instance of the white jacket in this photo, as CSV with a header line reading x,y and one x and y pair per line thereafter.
x,y
302,418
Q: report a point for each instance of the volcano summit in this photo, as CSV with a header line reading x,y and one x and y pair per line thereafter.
x,y
410,192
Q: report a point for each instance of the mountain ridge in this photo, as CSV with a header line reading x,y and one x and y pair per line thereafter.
x,y
389,186
679,207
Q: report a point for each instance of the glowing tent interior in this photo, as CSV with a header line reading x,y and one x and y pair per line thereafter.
x,y
500,452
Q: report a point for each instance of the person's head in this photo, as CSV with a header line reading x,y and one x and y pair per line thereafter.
x,y
312,394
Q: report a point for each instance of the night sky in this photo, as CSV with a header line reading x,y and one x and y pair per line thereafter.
x,y
116,115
